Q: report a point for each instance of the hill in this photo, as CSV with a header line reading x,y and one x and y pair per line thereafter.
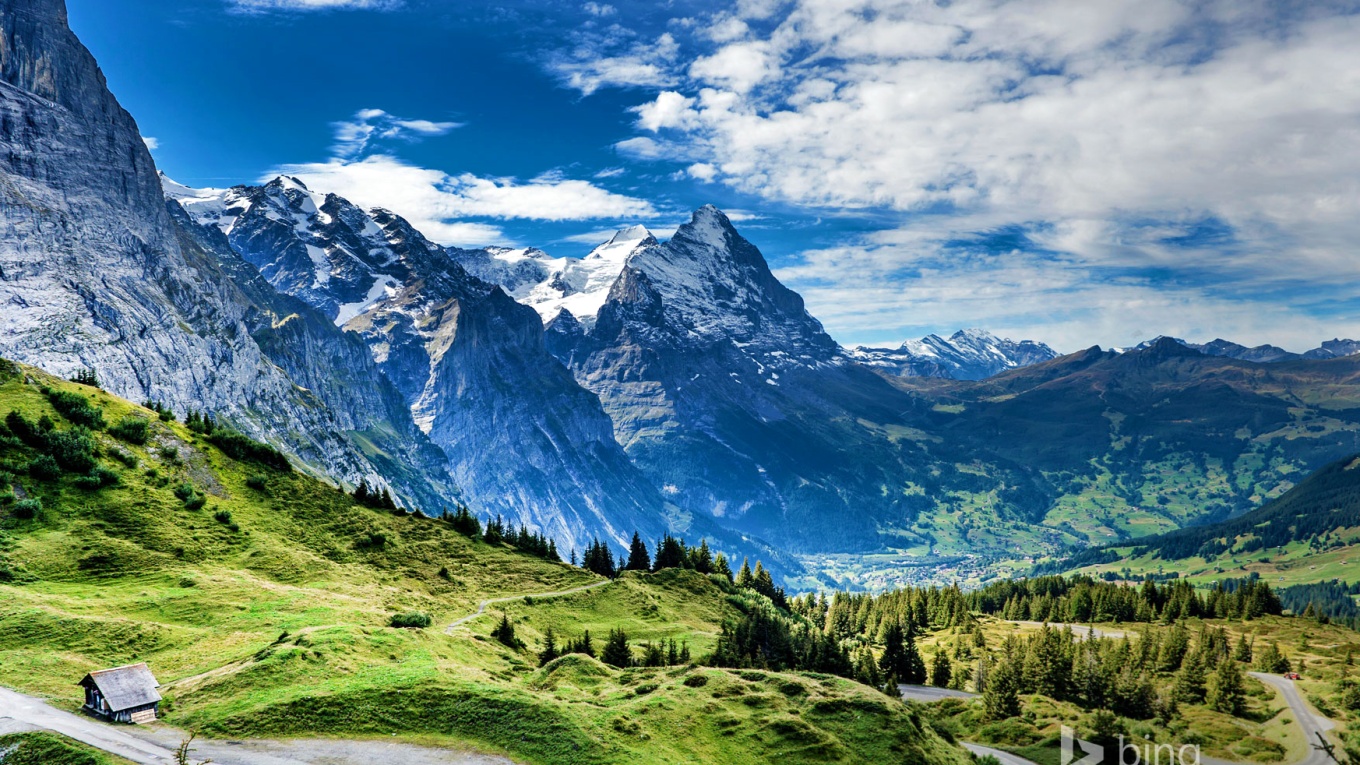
x,y
1099,447
263,600
1306,535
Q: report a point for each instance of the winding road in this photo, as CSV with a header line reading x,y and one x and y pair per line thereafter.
x,y
481,607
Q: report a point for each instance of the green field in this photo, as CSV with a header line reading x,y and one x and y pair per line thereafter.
x,y
261,599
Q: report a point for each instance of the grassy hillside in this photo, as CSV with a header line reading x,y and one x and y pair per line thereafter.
x,y
1309,534
262,598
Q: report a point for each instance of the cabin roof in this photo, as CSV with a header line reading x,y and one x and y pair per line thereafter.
x,y
125,687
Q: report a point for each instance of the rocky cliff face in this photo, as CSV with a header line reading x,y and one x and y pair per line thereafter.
x,y
522,437
731,397
96,272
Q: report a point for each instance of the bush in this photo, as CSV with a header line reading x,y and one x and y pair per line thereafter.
x,y
99,478
223,517
134,430
126,458
185,491
373,539
256,482
76,409
72,449
239,447
411,620
44,468
27,509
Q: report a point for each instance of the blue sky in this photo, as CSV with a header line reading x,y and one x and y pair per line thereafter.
x,y
1078,173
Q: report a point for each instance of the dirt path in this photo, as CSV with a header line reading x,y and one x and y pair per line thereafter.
x,y
155,745
481,607
1080,630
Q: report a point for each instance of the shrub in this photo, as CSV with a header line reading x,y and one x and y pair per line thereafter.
x,y
256,482
162,411
195,502
696,681
224,517
44,468
127,458
240,447
99,478
27,509
185,491
76,409
372,539
72,449
169,454
411,620
134,430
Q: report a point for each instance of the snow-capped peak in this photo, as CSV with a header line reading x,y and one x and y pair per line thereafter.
x,y
623,242
551,285
968,354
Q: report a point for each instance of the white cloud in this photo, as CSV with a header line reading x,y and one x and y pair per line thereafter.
x,y
617,59
151,143
434,201
254,6
1102,128
358,136
599,9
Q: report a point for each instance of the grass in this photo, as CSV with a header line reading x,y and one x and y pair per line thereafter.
x,y
277,623
47,748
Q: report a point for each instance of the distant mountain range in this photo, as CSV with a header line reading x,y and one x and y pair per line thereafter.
x,y
665,387
1267,354
969,354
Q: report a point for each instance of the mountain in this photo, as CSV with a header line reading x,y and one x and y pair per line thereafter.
x,y
1304,536
522,437
1120,446
729,395
551,285
1265,354
97,274
969,354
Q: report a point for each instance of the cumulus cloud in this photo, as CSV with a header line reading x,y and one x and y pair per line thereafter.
x,y
436,202
1101,129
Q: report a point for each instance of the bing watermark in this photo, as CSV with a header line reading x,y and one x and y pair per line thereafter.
x,y
1078,752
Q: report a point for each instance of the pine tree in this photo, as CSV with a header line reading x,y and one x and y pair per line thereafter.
x,y
1190,681
549,652
941,671
638,559
616,650
1243,651
744,578
1001,696
684,652
1272,660
1227,693
913,670
722,567
505,633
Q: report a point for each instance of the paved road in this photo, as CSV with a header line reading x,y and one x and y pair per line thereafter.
x,y
1313,725
1006,757
931,693
481,607
155,745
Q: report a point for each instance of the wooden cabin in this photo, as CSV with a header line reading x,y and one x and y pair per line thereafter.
x,y
122,694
